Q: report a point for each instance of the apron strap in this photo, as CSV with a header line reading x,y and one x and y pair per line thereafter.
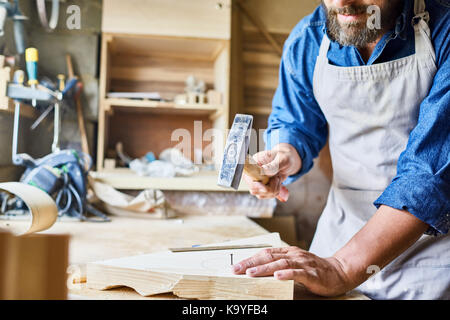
x,y
324,47
419,7
423,43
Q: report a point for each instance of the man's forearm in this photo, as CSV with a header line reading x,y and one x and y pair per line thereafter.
x,y
387,234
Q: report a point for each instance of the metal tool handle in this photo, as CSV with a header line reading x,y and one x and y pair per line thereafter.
x,y
19,36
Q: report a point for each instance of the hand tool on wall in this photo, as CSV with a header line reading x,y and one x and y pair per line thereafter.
x,y
62,173
31,58
80,115
12,10
235,158
42,11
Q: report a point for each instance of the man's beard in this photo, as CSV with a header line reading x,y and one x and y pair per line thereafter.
x,y
358,33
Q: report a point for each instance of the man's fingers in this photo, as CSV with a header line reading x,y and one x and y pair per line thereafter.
x,y
298,275
281,263
262,257
264,157
273,167
283,196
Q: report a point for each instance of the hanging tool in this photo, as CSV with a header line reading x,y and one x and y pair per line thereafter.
x,y
62,173
235,159
19,79
12,10
31,58
80,115
42,11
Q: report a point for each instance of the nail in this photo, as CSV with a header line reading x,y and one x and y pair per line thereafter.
x,y
237,268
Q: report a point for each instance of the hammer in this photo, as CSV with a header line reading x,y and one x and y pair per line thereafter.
x,y
235,158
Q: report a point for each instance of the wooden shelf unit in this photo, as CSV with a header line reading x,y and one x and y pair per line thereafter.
x,y
158,63
125,179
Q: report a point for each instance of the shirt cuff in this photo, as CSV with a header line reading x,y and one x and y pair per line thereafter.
x,y
294,138
423,195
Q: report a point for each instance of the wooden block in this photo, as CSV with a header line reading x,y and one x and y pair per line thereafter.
x,y
34,267
192,275
5,240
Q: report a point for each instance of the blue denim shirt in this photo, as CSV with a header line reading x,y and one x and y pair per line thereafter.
x,y
422,183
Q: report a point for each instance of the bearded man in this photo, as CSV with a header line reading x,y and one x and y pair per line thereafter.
x,y
372,77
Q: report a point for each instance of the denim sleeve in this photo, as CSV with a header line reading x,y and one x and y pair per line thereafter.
x,y
422,184
296,117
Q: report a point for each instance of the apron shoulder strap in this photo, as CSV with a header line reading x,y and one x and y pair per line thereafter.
x,y
420,11
324,47
424,46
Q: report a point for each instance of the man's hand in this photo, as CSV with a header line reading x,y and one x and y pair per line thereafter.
x,y
387,234
279,163
324,277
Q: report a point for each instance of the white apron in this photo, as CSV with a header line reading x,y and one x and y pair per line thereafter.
x,y
371,111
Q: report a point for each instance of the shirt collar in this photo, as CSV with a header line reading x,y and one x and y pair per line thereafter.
x,y
402,20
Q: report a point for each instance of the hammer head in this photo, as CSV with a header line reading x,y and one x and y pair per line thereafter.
x,y
235,153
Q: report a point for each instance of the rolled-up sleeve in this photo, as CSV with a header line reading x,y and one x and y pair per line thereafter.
x,y
422,183
296,117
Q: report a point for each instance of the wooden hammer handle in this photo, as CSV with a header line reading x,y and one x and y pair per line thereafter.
x,y
255,172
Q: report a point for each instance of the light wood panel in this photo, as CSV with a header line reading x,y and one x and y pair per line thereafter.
x,y
158,63
123,178
193,18
33,267
144,132
279,16
194,275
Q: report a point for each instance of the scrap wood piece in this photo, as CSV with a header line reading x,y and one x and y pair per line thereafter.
x,y
33,266
44,211
191,275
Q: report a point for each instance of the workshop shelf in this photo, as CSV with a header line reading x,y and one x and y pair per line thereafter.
x,y
164,107
126,179
151,63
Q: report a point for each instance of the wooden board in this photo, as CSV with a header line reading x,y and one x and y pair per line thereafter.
x,y
195,275
193,18
33,266
123,178
280,15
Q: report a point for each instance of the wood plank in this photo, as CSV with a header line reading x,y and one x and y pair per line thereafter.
x,y
261,58
123,178
195,18
236,65
194,275
279,16
160,46
120,102
141,132
254,18
168,73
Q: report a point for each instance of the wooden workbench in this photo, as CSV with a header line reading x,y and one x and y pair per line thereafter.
x,y
127,236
